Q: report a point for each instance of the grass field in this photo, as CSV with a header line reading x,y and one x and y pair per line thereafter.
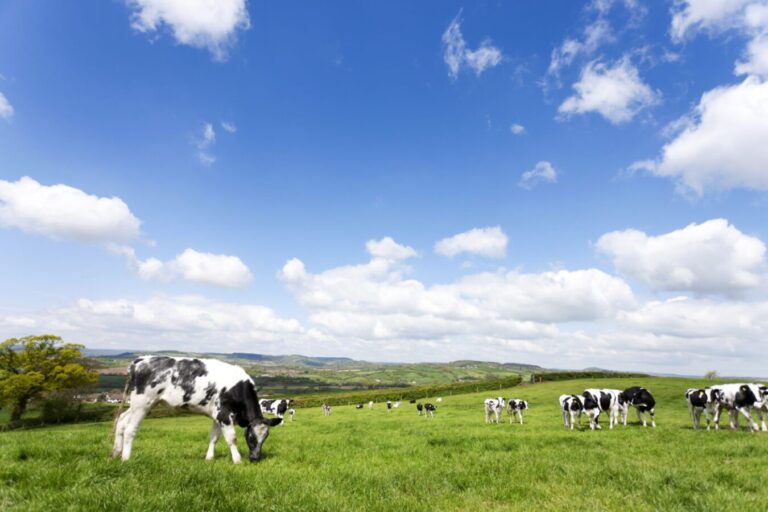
x,y
374,460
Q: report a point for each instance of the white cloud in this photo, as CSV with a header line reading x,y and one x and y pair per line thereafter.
x,y
711,257
595,35
64,212
517,129
210,24
456,54
709,15
489,242
722,143
388,249
228,127
204,143
168,322
197,267
542,172
6,109
616,92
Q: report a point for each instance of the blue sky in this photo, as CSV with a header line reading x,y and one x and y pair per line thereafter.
x,y
209,179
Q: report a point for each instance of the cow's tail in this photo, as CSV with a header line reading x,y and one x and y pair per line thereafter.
x,y
119,409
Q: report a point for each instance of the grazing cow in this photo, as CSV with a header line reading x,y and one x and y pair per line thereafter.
x,y
396,405
419,407
389,405
642,400
516,407
572,407
698,402
370,405
220,390
493,406
601,400
429,410
439,400
326,410
359,406
412,401
743,398
276,407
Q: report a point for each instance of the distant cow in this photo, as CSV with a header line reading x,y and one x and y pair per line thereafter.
x,y
642,400
439,400
412,401
220,390
493,407
327,409
698,402
359,406
277,407
291,413
743,398
516,407
396,405
389,405
419,407
601,400
429,410
370,405
572,406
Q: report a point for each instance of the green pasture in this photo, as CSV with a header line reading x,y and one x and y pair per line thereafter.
x,y
377,460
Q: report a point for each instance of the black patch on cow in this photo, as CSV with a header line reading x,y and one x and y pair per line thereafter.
x,y
282,406
605,401
210,390
575,404
419,407
744,397
146,371
589,401
359,406
187,370
411,401
430,407
241,402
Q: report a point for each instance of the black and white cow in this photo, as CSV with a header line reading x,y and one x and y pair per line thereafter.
x,y
642,400
220,390
411,401
429,410
359,406
743,398
516,407
493,407
326,410
277,407
699,402
419,407
572,407
601,400
389,405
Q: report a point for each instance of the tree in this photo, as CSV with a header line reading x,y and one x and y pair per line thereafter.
x,y
34,365
711,375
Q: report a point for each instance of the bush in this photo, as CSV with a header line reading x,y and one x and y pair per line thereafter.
x,y
557,376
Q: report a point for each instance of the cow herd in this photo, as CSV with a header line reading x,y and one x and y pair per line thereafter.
x,y
228,395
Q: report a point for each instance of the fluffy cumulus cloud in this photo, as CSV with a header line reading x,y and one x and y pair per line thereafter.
x,y
615,91
488,242
209,24
6,109
542,172
711,257
162,322
375,301
457,55
66,213
197,267
388,249
722,142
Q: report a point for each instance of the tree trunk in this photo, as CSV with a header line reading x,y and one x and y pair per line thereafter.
x,y
18,409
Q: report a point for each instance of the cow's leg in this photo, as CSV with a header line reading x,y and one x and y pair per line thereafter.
x,y
745,412
706,415
521,417
117,447
716,419
230,437
215,433
132,426
641,417
652,412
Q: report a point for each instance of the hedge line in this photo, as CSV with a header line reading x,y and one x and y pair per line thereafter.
x,y
556,376
405,393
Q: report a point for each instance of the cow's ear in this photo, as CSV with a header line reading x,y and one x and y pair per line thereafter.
x,y
273,422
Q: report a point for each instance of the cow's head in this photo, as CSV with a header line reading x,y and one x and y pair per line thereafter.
x,y
256,433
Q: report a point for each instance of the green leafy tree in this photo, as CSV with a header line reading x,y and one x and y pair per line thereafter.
x,y
35,365
711,375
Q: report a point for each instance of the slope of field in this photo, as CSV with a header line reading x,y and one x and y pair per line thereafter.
x,y
379,460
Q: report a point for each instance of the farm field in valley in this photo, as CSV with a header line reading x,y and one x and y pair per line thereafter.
x,y
379,460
